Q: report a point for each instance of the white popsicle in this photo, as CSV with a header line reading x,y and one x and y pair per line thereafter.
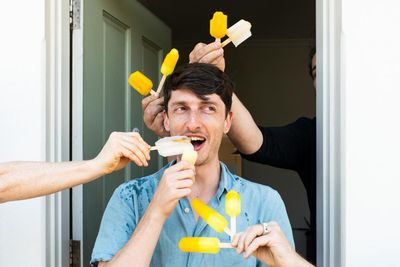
x,y
238,33
172,146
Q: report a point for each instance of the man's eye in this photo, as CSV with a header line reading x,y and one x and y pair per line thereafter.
x,y
210,109
180,109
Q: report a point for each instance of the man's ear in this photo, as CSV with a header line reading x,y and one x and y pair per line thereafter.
x,y
228,122
166,121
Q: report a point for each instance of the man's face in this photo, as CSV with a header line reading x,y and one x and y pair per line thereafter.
x,y
204,121
314,70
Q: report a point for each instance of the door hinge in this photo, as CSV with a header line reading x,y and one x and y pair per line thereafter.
x,y
75,14
74,253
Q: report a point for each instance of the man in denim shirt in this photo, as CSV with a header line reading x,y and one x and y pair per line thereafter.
x,y
145,218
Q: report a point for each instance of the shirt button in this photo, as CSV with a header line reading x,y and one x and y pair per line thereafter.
x,y
187,210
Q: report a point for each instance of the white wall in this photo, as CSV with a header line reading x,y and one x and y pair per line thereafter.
x,y
371,88
22,134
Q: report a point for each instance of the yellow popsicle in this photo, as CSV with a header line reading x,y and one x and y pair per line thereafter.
x,y
189,155
168,66
140,83
202,244
169,62
211,217
218,25
232,203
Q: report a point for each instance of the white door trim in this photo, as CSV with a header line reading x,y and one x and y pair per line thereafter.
x,y
330,188
57,121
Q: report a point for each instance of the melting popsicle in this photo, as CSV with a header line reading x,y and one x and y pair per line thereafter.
x,y
238,33
232,207
189,155
218,25
202,244
141,83
168,66
174,145
215,220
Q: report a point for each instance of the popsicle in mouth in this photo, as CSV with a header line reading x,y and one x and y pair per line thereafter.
x,y
141,83
202,244
215,220
232,207
238,33
168,67
218,25
173,145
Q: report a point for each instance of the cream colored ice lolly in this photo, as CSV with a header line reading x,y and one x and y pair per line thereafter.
x,y
189,155
238,33
215,220
168,66
202,244
232,207
171,146
218,25
141,83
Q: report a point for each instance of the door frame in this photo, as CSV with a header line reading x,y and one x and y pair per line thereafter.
x,y
57,120
330,143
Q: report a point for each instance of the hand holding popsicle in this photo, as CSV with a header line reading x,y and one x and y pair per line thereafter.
x,y
168,66
175,184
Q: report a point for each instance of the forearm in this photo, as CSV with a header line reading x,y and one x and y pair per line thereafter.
x,y
244,132
22,180
140,248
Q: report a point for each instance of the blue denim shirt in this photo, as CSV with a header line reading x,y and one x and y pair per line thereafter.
x,y
130,200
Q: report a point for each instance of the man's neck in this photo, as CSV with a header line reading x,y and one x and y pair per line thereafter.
x,y
207,181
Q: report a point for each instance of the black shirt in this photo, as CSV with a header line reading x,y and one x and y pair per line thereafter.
x,y
293,147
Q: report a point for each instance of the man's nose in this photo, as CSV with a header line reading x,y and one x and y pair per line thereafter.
x,y
194,122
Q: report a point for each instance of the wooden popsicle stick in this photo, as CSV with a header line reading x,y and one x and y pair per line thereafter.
x,y
227,41
154,93
225,245
218,39
228,232
153,148
160,85
233,227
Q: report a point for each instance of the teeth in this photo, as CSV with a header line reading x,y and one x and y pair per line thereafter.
x,y
196,138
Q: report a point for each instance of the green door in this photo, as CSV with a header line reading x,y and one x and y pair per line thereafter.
x,y
119,37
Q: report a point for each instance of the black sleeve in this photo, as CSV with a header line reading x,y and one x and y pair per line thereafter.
x,y
286,146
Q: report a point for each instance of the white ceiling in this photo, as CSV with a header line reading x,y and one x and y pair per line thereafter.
x,y
278,19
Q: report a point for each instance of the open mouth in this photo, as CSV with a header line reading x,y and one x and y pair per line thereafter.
x,y
197,142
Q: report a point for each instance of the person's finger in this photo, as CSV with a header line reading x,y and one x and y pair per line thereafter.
x,y
183,174
184,192
159,121
256,243
240,245
147,100
193,54
153,110
235,239
253,232
130,155
136,151
181,165
201,51
212,56
141,145
185,183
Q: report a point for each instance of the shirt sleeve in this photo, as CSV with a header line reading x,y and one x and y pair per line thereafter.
x,y
117,225
283,147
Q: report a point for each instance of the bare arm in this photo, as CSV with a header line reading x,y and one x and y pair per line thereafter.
x,y
244,132
23,180
175,184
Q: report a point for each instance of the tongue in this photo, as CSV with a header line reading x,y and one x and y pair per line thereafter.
x,y
197,144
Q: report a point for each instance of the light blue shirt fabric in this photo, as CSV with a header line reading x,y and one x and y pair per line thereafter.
x,y
130,200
